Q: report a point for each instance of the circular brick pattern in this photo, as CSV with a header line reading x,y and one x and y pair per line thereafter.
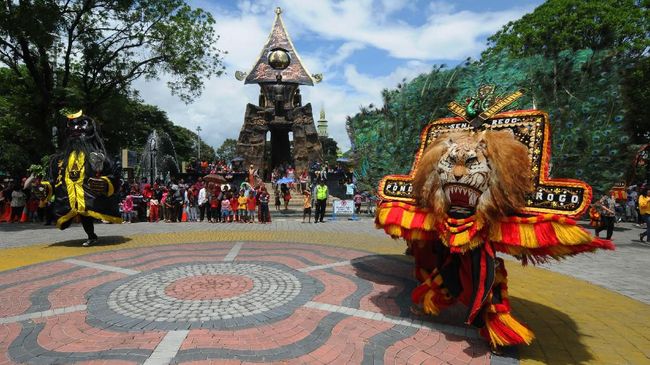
x,y
145,297
207,287
202,295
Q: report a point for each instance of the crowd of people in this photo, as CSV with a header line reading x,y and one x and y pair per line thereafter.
x,y
202,200
199,201
205,167
178,201
20,205
613,208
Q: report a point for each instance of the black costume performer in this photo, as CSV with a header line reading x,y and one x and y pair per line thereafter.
x,y
86,181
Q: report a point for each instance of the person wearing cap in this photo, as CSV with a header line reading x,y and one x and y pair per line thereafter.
x,y
82,178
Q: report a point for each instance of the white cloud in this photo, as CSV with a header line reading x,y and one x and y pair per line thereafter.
x,y
372,86
342,54
444,36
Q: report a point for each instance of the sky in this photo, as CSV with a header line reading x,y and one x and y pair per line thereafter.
x,y
360,46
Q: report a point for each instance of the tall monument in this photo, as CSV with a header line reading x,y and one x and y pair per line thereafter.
x,y
322,123
279,72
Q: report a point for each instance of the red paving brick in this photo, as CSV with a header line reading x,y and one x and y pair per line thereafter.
x,y
337,288
282,333
70,333
382,297
208,287
144,256
15,300
187,258
8,333
35,272
274,257
74,294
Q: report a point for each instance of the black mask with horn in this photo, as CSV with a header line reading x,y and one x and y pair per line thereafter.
x,y
82,134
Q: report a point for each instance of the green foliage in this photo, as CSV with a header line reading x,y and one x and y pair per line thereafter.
x,y
78,53
558,25
70,55
636,91
590,141
19,141
227,149
330,149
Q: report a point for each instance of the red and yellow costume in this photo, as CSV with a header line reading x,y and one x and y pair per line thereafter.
x,y
476,190
460,246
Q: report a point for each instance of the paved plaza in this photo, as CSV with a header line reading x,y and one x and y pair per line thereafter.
x,y
294,293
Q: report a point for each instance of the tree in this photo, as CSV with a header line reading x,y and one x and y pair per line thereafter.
x,y
330,149
82,52
227,150
20,144
637,99
558,25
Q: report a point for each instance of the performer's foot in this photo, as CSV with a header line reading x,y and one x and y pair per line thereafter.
x,y
416,310
495,349
90,241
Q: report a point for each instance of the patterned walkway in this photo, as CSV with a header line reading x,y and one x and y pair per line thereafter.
x,y
294,297
211,302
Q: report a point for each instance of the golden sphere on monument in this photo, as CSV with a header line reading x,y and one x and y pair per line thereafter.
x,y
279,59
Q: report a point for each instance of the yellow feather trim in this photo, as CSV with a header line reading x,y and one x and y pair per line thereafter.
x,y
570,235
508,320
527,236
427,304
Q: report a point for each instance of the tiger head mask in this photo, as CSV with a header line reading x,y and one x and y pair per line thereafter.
x,y
486,174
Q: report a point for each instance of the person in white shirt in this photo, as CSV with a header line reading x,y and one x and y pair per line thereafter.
x,y
202,202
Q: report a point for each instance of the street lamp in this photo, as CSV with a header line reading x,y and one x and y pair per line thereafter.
x,y
198,139
152,164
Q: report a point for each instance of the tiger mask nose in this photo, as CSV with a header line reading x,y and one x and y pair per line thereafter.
x,y
459,172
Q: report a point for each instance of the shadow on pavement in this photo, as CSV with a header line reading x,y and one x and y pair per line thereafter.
x,y
396,271
554,330
102,241
388,270
555,333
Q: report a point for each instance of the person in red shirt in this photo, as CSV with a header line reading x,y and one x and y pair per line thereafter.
x,y
251,202
234,206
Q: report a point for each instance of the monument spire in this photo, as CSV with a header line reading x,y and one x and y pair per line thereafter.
x,y
279,57
322,123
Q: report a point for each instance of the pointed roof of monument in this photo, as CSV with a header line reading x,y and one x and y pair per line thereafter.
x,y
295,72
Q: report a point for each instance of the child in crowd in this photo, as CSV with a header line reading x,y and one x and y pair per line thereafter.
x,y
234,207
286,196
127,209
357,202
32,209
242,202
214,212
42,207
306,204
276,195
263,197
251,203
166,205
153,209
225,208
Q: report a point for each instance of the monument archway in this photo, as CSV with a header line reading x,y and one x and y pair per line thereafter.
x,y
293,137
